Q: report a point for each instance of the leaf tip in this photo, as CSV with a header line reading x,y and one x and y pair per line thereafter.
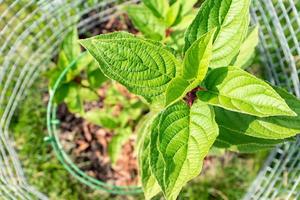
x,y
292,113
84,42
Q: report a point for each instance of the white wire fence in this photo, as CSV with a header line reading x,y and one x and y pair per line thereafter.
x,y
280,53
31,31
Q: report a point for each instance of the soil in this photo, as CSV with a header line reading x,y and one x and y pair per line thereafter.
x,y
115,23
87,143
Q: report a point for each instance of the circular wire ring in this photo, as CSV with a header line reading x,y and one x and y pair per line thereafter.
x,y
52,123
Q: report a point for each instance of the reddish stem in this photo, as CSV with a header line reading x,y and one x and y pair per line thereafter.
x,y
192,95
169,31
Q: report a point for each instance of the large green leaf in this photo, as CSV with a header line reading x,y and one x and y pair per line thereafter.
x,y
279,127
243,143
144,67
247,50
235,89
195,67
142,18
149,183
231,17
294,103
158,7
180,139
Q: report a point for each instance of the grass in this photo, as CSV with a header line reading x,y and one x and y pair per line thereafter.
x,y
40,164
226,178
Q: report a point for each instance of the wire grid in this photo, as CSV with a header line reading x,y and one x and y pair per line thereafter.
x,y
31,31
280,49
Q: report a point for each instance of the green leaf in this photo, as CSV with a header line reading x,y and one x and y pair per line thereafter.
x,y
279,127
61,93
143,19
235,89
176,90
88,95
197,58
53,75
95,76
158,7
184,23
115,145
101,118
247,49
144,68
185,11
180,139
70,51
231,17
84,62
294,103
81,64
62,61
70,45
73,100
176,39
195,66
243,143
187,6
149,183
171,2
173,13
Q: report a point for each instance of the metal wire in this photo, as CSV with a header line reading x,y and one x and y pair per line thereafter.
x,y
280,49
67,162
28,42
31,31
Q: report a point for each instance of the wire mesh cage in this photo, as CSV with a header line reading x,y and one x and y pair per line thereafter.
x,y
280,49
31,31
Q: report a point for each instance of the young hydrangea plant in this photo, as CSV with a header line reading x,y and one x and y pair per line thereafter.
x,y
201,100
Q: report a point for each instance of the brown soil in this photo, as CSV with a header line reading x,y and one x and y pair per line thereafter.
x,y
87,145
115,23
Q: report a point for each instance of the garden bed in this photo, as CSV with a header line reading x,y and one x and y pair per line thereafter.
x,y
87,144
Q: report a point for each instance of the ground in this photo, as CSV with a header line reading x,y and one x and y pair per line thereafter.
x,y
225,175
